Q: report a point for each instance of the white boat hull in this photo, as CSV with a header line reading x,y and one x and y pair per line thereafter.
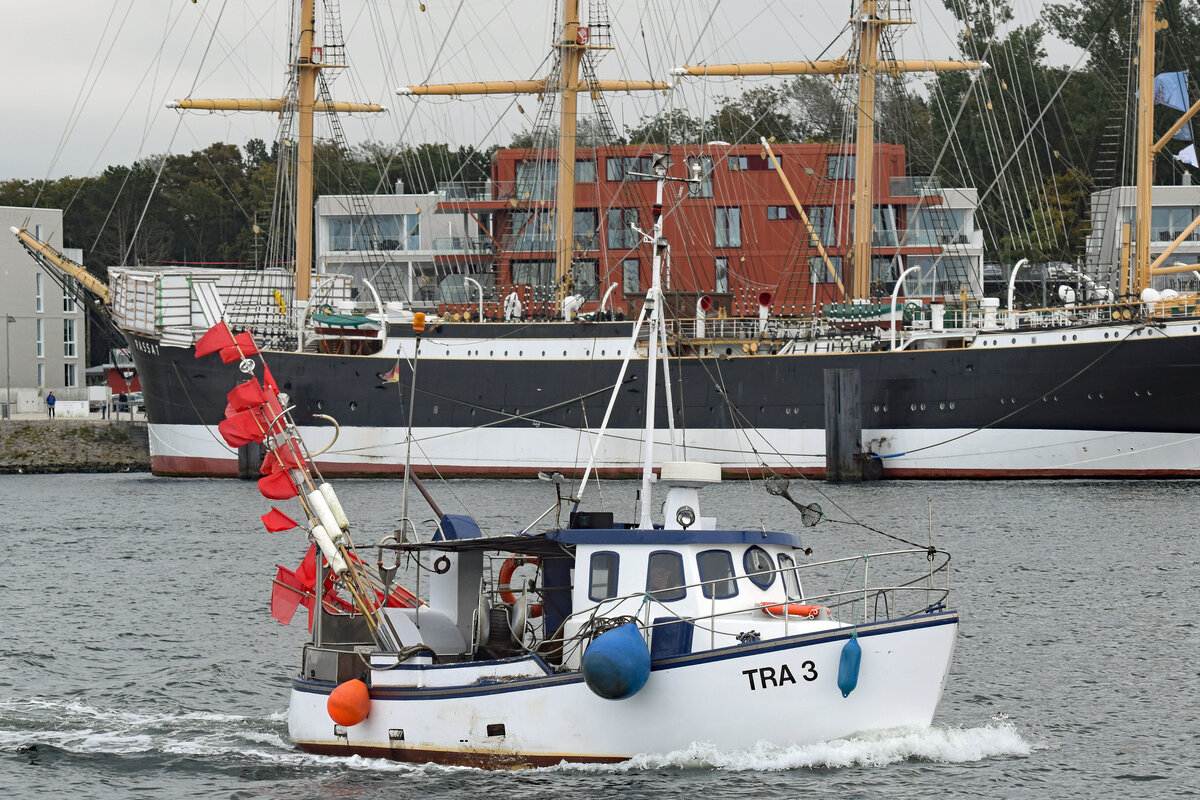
x,y
913,452
784,691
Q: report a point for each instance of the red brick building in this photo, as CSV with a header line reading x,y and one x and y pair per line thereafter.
x,y
740,234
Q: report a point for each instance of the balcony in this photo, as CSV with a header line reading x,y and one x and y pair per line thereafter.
x,y
463,244
920,186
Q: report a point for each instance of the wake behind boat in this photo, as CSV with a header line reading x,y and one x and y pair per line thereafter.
x,y
950,383
596,641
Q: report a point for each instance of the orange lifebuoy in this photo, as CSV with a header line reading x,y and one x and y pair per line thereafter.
x,y
506,572
793,610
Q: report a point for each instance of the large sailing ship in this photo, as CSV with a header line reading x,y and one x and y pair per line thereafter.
x,y
949,385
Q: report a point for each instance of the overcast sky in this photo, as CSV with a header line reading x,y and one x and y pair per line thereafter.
x,y
87,83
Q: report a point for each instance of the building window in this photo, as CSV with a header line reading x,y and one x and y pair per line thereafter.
x,y
41,346
631,276
602,583
619,169
68,297
821,219
721,275
378,232
727,227
817,271
69,376
664,576
37,291
706,177
583,279
41,375
412,230
716,573
840,168
782,212
534,230
585,171
620,234
68,338
585,230
537,180
752,163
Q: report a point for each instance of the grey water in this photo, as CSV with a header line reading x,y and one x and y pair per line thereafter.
x,y
139,658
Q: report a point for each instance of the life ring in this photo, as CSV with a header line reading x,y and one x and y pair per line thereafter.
x,y
506,572
794,610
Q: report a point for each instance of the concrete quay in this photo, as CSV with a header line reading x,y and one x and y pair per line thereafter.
x,y
35,443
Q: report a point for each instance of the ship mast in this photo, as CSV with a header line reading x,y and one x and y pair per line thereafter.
x,y
572,45
1145,153
873,16
308,60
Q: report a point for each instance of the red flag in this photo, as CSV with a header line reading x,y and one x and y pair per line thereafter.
x,y
269,380
245,395
288,592
243,346
307,571
275,520
242,428
217,338
282,457
278,486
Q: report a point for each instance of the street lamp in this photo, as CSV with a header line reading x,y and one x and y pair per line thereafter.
x,y
127,374
8,320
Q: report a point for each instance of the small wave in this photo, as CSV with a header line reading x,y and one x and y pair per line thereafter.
x,y
934,744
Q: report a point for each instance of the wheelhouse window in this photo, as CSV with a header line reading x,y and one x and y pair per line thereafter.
x,y
759,567
664,576
791,581
602,580
716,573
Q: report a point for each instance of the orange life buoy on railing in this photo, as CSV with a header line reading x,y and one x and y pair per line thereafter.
x,y
794,610
506,572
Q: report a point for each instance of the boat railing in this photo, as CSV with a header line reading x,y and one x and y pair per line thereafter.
x,y
862,596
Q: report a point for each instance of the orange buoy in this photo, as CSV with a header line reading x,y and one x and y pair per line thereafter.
x,y
793,610
349,703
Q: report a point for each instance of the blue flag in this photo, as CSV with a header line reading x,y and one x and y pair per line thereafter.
x,y
1170,89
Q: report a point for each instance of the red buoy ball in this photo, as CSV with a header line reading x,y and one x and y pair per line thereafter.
x,y
349,703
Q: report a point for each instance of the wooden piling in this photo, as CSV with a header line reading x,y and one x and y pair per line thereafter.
x,y
843,425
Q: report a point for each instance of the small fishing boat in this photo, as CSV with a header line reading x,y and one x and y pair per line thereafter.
x,y
597,640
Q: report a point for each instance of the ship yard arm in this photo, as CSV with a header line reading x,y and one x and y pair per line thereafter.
x,y
268,104
46,255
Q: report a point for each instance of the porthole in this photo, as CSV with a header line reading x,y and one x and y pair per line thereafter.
x,y
491,353
885,408
875,409
520,353
353,406
759,567
922,406
912,407
787,411
602,352
1014,341
1106,335
1089,395
1064,337
796,411
564,353
1012,400
543,354
951,405
941,406
1136,393
1001,401
1074,338
506,354
1148,393
1101,395
320,405
587,352
447,351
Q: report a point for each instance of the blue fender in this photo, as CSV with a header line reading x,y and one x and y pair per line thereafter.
x,y
616,664
848,666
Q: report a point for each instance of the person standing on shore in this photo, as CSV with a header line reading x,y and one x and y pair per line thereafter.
x,y
50,405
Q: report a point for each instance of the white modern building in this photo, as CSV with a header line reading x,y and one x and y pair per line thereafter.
x,y
45,347
397,243
1174,207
